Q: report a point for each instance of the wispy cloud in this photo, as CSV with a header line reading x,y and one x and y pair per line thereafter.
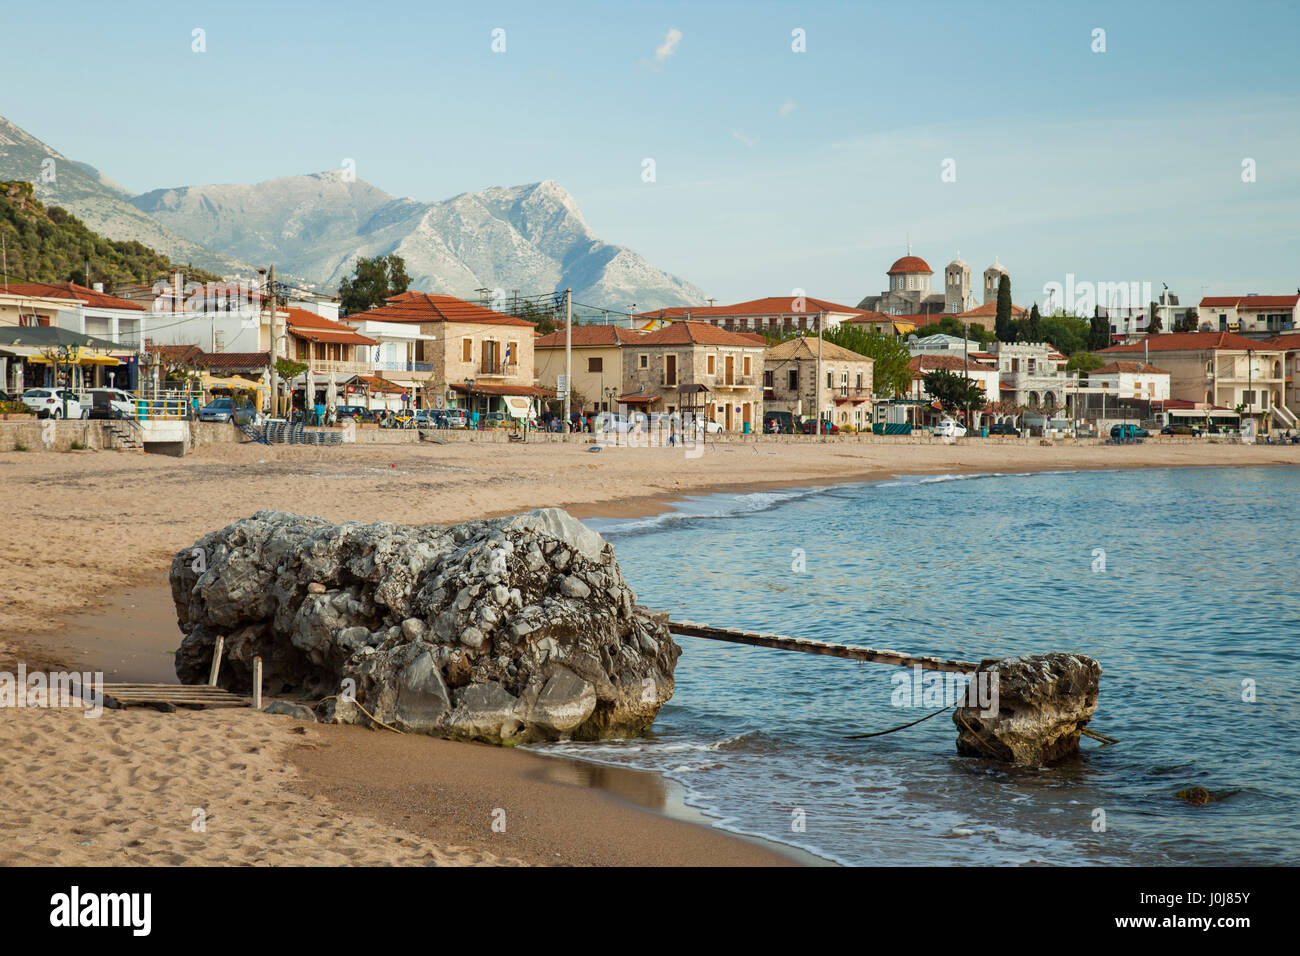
x,y
668,47
787,107
749,141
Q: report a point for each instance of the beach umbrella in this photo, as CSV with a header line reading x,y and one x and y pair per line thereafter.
x,y
309,392
332,393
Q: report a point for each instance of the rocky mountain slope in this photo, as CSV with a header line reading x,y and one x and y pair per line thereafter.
x,y
530,238
97,201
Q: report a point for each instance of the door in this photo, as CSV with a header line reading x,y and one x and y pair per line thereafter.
x,y
731,371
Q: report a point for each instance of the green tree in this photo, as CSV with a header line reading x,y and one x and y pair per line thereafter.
x,y
954,392
288,369
373,280
891,373
1154,325
951,325
1002,326
1084,362
1100,337
1035,329
1068,333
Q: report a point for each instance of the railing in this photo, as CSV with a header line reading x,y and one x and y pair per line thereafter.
x,y
498,368
326,366
404,366
735,381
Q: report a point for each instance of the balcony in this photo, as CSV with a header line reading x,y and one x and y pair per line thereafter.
x,y
404,366
336,367
498,368
736,381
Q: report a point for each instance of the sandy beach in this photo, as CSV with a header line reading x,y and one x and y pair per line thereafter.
x,y
85,529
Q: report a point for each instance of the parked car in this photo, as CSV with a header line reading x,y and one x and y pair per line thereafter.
x,y
1128,431
778,423
357,413
104,403
809,427
456,418
949,428
226,410
1181,429
1004,429
50,402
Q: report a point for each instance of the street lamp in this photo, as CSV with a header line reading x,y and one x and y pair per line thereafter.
x,y
469,396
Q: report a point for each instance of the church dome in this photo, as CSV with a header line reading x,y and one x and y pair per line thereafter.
x,y
910,264
997,267
960,263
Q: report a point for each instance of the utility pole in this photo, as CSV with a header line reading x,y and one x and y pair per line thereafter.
x,y
568,358
275,375
817,392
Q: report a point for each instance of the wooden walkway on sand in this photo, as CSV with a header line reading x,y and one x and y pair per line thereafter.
x,y
803,645
162,696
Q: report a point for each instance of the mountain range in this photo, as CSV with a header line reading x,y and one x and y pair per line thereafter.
x,y
529,238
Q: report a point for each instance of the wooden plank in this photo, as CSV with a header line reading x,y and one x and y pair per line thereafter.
x,y
804,645
216,660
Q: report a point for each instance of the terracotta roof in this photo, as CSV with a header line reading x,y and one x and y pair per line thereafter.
x,y
772,305
424,307
921,364
1129,368
1251,302
176,354
910,264
317,328
805,347
1188,342
236,360
1288,340
698,333
589,336
990,308
71,291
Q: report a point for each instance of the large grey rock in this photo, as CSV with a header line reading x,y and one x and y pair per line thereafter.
x,y
1043,703
504,629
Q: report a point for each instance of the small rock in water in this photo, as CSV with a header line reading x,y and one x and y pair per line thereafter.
x,y
1196,796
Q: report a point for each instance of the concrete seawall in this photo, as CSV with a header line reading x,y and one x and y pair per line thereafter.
x,y
61,436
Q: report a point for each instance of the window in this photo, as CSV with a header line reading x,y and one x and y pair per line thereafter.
x,y
643,360
746,366
709,365
467,350
830,383
670,369
769,379
595,365
512,353
792,379
859,380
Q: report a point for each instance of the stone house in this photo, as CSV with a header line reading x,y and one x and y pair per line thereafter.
x,y
842,394
697,368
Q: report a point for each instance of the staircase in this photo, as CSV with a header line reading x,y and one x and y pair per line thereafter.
x,y
1284,413
123,433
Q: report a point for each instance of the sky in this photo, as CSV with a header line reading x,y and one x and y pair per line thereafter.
x,y
1164,150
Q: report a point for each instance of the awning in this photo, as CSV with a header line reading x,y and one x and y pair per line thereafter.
x,y
98,360
518,405
212,381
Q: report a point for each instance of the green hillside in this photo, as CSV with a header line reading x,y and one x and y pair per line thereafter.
x,y
49,244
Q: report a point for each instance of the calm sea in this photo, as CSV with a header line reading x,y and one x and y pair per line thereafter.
x,y
1182,583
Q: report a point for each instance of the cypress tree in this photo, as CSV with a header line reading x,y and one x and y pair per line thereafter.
x,y
1002,323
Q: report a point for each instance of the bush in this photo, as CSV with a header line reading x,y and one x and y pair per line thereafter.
x,y
15,408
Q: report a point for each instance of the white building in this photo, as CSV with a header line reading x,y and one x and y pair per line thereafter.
x,y
1131,380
